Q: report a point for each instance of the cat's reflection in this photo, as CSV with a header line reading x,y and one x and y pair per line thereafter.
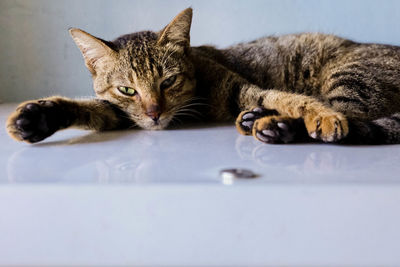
x,y
168,156
335,162
144,156
64,162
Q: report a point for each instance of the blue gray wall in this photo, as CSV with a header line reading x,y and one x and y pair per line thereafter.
x,y
38,58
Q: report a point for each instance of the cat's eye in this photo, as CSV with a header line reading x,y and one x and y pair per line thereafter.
x,y
127,90
168,82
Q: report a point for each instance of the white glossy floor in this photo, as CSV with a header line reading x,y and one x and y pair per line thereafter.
x,y
156,199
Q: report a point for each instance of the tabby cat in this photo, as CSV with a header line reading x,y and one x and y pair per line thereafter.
x,y
284,89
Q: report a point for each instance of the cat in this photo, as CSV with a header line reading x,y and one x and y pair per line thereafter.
x,y
291,88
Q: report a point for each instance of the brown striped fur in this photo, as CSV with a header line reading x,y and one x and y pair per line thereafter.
x,y
332,89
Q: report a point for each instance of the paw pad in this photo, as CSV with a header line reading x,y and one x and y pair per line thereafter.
x,y
246,119
34,121
277,129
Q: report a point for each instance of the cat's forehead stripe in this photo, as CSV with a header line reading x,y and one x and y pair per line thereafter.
x,y
142,60
145,58
140,50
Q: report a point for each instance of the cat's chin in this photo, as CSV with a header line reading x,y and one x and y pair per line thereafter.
x,y
155,127
160,125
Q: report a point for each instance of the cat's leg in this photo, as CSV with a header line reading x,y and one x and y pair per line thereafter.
x,y
385,130
321,122
369,102
35,120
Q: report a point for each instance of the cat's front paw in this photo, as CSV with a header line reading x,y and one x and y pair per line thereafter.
x,y
278,129
246,119
328,127
33,121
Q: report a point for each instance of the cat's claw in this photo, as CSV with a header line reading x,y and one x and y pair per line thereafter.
x,y
246,119
34,121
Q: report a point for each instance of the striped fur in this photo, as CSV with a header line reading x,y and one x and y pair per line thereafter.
x,y
318,86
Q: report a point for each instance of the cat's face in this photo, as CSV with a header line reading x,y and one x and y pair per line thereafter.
x,y
147,74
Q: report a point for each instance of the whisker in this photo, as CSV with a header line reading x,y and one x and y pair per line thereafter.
x,y
194,104
188,111
176,120
188,114
191,110
187,108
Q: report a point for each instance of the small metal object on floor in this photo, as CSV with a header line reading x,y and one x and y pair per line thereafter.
x,y
228,175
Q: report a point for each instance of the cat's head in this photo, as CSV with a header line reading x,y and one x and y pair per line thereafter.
x,y
147,74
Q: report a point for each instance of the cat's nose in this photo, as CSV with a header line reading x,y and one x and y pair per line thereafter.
x,y
154,112
154,115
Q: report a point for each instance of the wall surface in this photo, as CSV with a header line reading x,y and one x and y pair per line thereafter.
x,y
38,58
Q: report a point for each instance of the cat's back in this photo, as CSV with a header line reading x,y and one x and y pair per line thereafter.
x,y
286,44
264,61
315,47
299,62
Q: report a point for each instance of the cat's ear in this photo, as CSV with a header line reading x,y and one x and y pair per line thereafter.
x,y
93,49
177,32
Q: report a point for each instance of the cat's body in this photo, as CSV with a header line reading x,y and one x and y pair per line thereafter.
x,y
313,64
306,86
